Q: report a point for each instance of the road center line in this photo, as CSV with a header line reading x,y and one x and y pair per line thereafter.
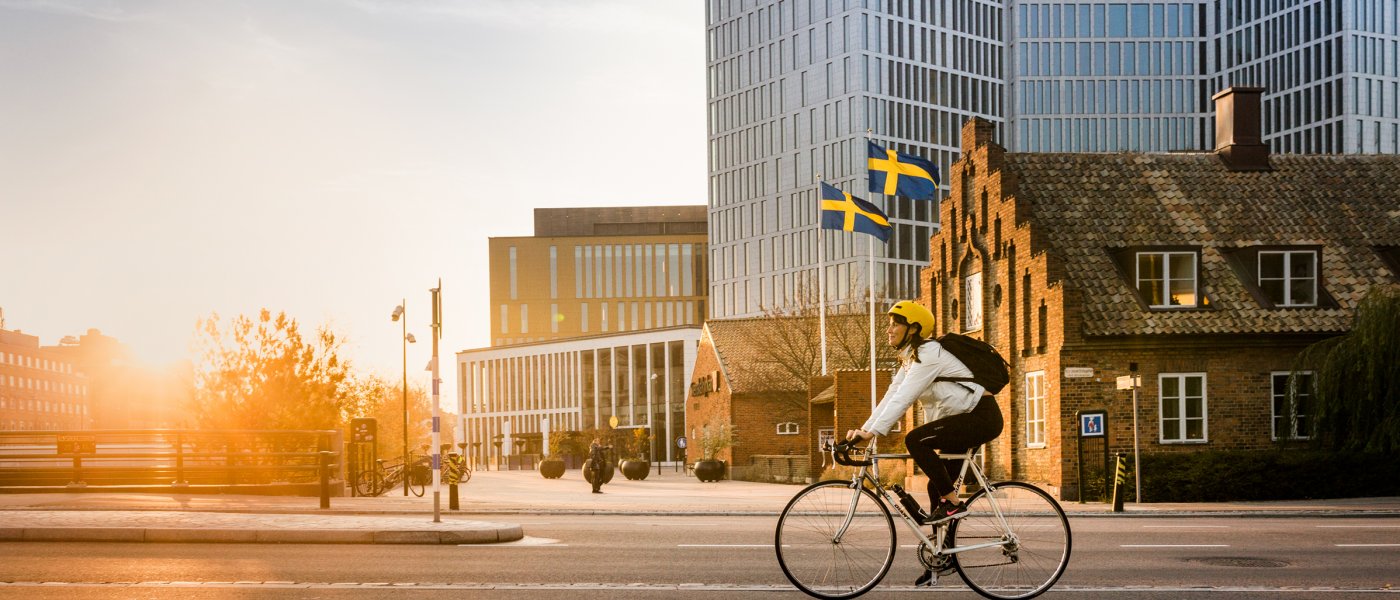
x,y
1174,546
724,545
1185,526
1367,545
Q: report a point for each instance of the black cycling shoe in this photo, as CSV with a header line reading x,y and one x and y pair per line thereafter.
x,y
926,580
947,511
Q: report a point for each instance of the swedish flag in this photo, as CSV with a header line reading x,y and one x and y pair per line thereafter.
x,y
849,213
895,173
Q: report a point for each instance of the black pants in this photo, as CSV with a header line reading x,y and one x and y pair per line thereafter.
x,y
597,477
952,434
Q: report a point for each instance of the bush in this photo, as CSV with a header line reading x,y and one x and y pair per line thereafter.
x,y
1217,476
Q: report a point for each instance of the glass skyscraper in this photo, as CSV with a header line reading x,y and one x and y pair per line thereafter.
x,y
794,85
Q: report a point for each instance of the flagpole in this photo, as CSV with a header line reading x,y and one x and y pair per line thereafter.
x,y
821,277
870,245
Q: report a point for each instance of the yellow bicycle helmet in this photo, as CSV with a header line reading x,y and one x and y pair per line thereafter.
x,y
909,312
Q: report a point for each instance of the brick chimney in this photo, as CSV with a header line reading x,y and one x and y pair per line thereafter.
x,y
976,132
1238,138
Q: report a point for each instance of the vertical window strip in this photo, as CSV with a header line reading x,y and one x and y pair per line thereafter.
x,y
1035,409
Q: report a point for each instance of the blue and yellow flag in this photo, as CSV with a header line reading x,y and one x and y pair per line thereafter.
x,y
849,213
895,173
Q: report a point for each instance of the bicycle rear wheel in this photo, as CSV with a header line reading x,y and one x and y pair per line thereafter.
x,y
834,541
1029,554
419,476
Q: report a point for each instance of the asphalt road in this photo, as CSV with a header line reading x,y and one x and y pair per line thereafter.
x,y
611,556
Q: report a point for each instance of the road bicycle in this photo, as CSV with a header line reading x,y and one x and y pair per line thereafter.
x,y
376,481
837,539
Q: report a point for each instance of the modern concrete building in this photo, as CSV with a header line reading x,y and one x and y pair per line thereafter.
x,y
512,397
595,317
794,85
588,271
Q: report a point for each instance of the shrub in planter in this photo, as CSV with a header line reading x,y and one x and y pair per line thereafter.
x,y
552,468
635,469
709,469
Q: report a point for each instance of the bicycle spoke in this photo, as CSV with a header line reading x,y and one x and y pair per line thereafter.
x,y
807,546
1036,542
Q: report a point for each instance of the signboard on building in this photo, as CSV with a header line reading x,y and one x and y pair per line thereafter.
x,y
77,444
1077,372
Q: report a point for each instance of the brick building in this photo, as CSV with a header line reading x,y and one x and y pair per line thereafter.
x,y
751,384
40,388
1208,272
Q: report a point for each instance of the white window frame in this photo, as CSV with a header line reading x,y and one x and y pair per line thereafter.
x,y
1167,256
789,428
972,302
1287,275
1275,395
1181,409
1035,409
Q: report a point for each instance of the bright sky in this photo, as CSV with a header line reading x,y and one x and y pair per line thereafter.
x,y
161,160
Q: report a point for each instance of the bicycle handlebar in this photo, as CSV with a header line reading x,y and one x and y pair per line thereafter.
x,y
841,453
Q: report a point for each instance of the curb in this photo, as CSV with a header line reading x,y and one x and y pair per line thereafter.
x,y
260,536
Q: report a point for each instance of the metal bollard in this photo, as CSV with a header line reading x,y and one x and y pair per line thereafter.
x,y
325,478
1120,479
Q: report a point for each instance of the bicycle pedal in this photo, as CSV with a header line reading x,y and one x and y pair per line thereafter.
x,y
928,579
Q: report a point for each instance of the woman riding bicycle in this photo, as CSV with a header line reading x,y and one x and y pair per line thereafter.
x,y
960,415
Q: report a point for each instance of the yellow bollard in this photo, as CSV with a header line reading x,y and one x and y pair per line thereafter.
x,y
1120,478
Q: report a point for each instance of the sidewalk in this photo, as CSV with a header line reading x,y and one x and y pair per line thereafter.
x,y
393,518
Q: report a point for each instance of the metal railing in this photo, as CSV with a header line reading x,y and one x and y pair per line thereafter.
x,y
229,461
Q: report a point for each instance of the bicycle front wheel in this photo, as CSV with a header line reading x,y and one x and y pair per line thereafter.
x,y
365,484
1026,550
834,541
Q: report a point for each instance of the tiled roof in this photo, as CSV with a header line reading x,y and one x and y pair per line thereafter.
x,y
1086,205
768,353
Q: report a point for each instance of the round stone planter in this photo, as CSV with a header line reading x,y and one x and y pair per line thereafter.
x,y
636,470
608,469
709,470
552,468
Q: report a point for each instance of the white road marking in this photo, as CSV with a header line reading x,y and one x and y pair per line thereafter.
x,y
1185,526
1174,546
1367,545
724,545
1357,526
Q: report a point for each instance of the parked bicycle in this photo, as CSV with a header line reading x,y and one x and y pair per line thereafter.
x,y
376,481
837,539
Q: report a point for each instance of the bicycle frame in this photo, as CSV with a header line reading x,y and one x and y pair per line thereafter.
x,y
870,474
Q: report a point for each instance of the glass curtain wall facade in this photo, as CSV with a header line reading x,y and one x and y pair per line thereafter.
x,y
516,393
1138,76
1330,70
793,87
1110,77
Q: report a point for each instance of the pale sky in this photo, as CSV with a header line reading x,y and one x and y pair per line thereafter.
x,y
161,160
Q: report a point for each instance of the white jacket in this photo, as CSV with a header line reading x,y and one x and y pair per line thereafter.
x,y
915,381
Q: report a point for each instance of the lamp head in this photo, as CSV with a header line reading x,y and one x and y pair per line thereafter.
x,y
398,312
409,338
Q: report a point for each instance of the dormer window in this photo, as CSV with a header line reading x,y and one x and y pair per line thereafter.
x,y
1289,277
1167,279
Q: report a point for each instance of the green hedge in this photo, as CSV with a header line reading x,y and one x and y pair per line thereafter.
x,y
1216,476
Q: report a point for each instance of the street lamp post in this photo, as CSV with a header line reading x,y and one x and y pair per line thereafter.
x,y
407,339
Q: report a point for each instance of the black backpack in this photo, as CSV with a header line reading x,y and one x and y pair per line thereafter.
x,y
989,369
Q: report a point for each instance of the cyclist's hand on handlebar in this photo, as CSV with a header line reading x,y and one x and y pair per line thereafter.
x,y
858,435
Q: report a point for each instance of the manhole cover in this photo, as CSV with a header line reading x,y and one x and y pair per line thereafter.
x,y
1238,561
